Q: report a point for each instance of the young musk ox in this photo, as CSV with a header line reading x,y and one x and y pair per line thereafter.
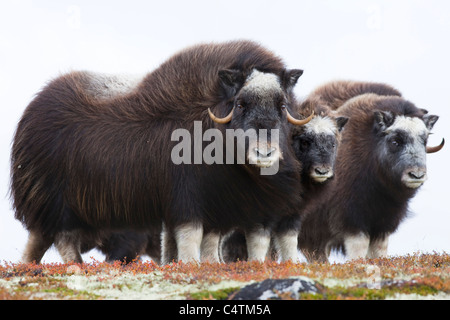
x,y
381,163
315,146
125,246
95,155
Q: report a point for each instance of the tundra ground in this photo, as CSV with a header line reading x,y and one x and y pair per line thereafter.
x,y
417,276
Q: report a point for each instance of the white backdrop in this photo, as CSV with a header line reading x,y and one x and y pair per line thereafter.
x,y
403,43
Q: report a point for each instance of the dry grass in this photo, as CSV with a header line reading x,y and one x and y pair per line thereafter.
x,y
418,276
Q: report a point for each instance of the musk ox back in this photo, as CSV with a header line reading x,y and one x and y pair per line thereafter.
x,y
335,93
86,158
380,165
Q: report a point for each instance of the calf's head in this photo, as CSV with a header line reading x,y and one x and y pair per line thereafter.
x,y
315,145
259,103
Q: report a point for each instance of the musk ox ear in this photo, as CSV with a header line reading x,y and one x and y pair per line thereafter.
x,y
341,121
430,120
424,111
383,119
231,81
290,78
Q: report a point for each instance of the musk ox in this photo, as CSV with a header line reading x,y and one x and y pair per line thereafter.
x,y
124,246
315,146
94,154
380,165
128,246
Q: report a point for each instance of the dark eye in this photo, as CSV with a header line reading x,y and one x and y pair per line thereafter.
x,y
283,107
239,104
305,143
396,142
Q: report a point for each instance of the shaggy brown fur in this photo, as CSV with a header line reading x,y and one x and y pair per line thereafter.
x,y
82,160
335,93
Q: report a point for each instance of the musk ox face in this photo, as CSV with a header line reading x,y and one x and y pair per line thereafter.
x,y
260,103
258,106
315,145
401,148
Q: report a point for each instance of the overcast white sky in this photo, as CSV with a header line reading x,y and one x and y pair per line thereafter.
x,y
404,43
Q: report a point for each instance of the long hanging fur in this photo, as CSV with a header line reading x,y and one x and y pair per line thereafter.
x,y
81,160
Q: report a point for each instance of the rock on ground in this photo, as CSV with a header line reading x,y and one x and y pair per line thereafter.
x,y
272,288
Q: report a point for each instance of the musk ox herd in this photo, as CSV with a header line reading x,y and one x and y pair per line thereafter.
x,y
92,162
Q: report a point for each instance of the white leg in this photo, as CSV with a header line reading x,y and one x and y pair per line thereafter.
x,y
189,238
286,244
258,242
378,248
209,251
356,246
68,245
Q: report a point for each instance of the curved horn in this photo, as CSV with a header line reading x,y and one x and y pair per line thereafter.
x,y
437,148
221,120
297,122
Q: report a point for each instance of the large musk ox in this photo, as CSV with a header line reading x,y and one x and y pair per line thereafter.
x,y
93,153
381,163
315,146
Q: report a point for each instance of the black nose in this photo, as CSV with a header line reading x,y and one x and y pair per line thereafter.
x,y
419,174
264,153
321,171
